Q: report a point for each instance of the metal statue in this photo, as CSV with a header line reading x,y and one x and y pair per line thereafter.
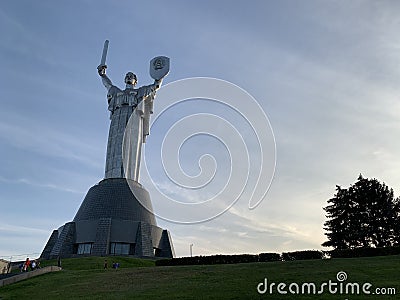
x,y
122,104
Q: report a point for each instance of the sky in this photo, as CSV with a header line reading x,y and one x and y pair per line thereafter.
x,y
326,73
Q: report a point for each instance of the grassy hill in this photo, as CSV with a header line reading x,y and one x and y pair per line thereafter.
x,y
85,278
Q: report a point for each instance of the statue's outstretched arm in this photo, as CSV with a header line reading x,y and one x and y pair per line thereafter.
x,y
106,82
104,78
157,83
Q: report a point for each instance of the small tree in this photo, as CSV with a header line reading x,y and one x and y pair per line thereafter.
x,y
364,215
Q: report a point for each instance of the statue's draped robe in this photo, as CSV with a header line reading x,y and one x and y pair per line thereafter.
x,y
123,104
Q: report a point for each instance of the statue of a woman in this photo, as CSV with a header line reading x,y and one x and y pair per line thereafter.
x,y
122,104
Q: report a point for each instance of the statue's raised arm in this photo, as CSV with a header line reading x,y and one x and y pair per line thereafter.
x,y
101,69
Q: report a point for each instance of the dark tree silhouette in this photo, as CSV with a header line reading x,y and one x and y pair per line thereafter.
x,y
364,215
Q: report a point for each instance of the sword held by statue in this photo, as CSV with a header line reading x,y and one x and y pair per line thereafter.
x,y
104,54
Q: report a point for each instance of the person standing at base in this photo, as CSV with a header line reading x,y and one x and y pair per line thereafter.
x,y
105,264
33,265
27,264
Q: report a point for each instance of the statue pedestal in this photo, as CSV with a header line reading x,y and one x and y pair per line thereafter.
x,y
111,221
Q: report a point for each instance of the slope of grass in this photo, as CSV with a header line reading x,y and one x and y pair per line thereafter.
x,y
96,263
80,279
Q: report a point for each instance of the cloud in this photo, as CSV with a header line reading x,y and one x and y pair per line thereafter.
x,y
16,239
31,136
8,229
40,185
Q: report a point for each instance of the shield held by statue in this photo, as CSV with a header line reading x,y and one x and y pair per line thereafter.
x,y
159,67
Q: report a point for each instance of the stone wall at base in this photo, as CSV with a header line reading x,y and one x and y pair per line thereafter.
x,y
27,275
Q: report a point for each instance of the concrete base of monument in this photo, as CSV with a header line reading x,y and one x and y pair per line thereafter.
x,y
111,221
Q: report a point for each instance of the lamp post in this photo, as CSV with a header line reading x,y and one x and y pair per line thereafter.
x,y
191,250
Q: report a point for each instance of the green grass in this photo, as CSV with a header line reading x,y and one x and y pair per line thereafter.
x,y
96,263
85,278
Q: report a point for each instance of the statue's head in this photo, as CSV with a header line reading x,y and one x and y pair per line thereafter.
x,y
130,78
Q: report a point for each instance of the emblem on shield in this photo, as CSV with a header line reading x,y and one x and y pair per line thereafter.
x,y
159,67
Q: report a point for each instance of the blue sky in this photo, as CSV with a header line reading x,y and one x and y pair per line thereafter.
x,y
325,72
